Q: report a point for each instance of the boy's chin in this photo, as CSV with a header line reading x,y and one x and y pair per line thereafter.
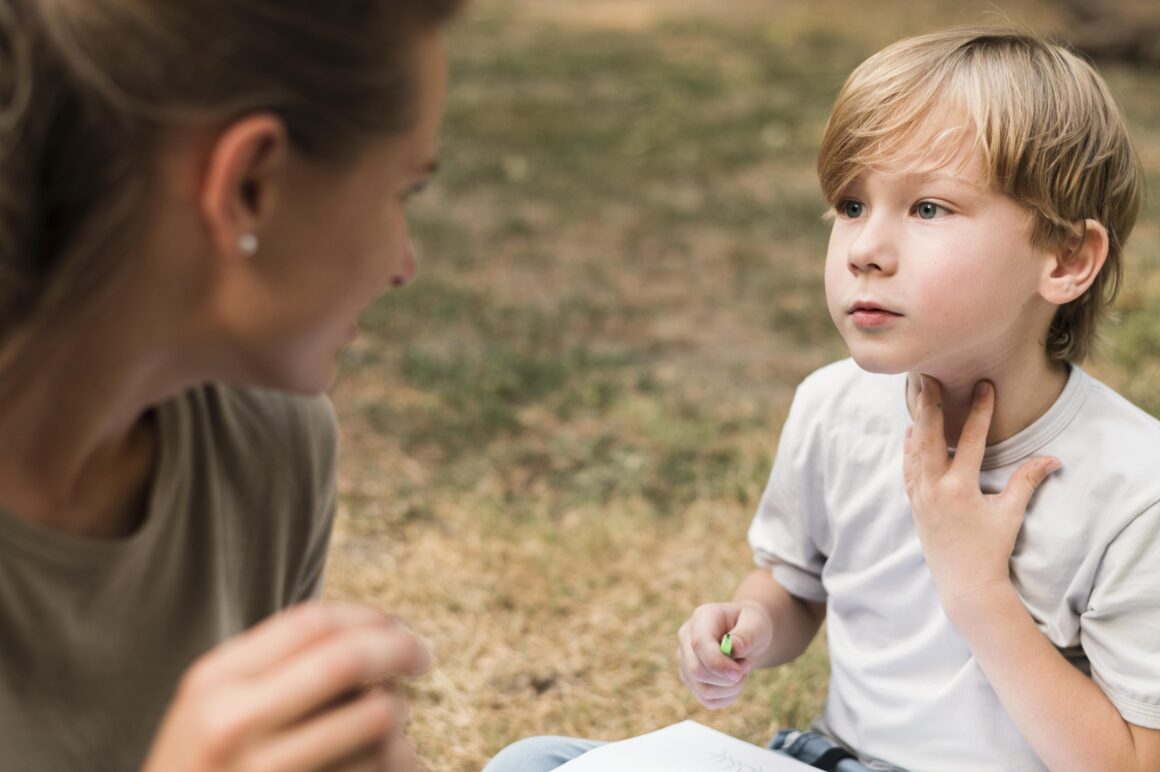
x,y
879,364
884,365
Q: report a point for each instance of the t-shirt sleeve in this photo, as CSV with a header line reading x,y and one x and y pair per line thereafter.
x,y
1120,631
783,534
321,439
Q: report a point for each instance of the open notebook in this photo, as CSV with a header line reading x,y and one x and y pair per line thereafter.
x,y
684,747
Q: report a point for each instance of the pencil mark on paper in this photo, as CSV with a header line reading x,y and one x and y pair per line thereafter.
x,y
726,763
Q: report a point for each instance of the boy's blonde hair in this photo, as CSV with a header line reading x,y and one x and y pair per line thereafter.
x,y
1050,134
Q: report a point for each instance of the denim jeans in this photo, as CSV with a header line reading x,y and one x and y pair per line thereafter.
x,y
543,754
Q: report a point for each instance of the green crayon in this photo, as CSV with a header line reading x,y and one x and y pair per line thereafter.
x,y
727,645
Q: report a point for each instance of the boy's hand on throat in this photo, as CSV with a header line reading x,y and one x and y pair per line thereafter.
x,y
967,536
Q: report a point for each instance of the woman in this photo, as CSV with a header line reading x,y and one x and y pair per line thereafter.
x,y
197,200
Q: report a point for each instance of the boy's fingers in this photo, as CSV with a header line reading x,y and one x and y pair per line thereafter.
x,y
911,463
697,677
719,693
699,650
928,439
712,667
749,637
718,704
696,674
710,690
746,634
972,444
1021,487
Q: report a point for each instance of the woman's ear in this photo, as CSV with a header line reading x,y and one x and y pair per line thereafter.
x,y
1076,264
240,185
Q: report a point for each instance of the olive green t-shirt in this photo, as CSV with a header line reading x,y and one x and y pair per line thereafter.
x,y
95,634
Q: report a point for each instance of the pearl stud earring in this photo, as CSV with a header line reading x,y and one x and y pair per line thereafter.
x,y
248,243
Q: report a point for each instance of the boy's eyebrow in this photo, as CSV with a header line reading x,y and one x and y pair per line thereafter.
x,y
934,176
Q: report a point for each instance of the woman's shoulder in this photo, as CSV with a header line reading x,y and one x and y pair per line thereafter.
x,y
253,425
276,414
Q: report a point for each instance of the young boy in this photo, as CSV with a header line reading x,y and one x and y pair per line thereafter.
x,y
983,185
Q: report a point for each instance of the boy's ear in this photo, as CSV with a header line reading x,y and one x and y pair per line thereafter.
x,y
240,185
1076,264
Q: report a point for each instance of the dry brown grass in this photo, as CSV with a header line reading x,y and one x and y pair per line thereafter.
x,y
553,443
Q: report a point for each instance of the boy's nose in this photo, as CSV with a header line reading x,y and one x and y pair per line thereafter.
x,y
864,263
871,250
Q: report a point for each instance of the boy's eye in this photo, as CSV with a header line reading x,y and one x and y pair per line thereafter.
x,y
850,208
928,210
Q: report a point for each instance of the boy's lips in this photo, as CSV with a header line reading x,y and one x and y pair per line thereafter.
x,y
867,313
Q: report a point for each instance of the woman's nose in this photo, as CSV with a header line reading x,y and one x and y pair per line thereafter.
x,y
407,267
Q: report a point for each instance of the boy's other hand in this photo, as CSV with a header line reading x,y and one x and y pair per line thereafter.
x,y
714,678
308,689
967,536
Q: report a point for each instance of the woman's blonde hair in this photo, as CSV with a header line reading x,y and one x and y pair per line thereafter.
x,y
88,88
1049,131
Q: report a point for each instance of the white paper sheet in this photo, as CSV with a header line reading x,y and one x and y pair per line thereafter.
x,y
684,747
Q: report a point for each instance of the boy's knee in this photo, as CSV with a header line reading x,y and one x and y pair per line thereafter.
x,y
539,754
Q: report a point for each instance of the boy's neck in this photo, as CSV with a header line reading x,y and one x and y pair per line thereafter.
x,y
1024,390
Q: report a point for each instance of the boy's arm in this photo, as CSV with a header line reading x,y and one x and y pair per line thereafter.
x,y
967,538
1065,716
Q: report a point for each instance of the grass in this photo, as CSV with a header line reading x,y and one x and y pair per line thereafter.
x,y
554,441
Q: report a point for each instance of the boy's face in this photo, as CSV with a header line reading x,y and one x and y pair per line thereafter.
x,y
929,270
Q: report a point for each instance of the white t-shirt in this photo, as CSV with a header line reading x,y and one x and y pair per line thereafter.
x,y
835,525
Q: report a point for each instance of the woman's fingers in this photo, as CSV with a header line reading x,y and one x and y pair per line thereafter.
x,y
298,663
351,734
293,694
400,755
270,643
335,667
